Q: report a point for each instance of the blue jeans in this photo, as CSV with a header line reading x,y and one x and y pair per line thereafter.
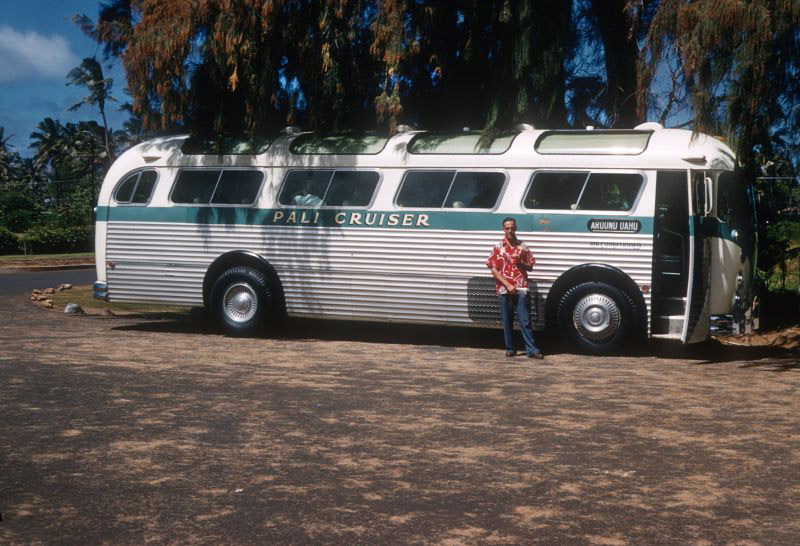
x,y
507,304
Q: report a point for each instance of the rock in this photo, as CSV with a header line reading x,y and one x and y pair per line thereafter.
x,y
49,291
109,313
35,292
62,287
73,309
47,304
41,297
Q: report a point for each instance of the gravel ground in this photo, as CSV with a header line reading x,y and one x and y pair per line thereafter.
x,y
127,430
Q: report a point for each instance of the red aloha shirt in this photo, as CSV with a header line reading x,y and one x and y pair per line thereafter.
x,y
507,259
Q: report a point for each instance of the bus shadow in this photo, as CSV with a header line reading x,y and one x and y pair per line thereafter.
x,y
771,358
199,321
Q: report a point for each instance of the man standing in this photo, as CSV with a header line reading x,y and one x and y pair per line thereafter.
x,y
510,262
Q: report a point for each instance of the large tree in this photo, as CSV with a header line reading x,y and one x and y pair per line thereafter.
x,y
739,63
255,65
246,66
611,21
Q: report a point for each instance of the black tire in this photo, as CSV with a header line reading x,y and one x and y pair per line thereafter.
x,y
596,317
241,299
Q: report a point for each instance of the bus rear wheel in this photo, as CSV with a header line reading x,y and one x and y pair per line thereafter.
x,y
596,317
241,299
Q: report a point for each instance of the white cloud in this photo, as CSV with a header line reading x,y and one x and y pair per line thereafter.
x,y
30,55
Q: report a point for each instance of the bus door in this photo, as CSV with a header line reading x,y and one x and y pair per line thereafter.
x,y
671,255
698,308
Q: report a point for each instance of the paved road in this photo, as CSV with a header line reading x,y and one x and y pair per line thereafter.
x,y
21,282
132,430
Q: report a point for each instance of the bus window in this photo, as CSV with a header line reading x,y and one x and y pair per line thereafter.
x,y
351,189
305,188
147,181
475,190
610,191
425,189
733,204
136,188
195,187
237,187
450,189
317,188
218,187
555,190
125,189
699,191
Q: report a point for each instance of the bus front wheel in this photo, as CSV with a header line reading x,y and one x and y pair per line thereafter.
x,y
596,317
241,298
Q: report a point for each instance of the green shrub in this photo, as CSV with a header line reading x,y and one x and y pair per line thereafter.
x,y
47,239
9,243
17,210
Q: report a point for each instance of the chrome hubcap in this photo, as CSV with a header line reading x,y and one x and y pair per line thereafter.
x,y
240,302
596,316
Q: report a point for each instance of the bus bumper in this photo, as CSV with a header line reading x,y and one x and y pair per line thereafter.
x,y
742,321
100,290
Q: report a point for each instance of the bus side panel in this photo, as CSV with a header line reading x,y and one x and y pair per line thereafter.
x,y
419,275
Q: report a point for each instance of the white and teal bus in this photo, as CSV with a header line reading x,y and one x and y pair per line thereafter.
x,y
642,232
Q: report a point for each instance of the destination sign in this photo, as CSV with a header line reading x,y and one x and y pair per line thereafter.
x,y
614,226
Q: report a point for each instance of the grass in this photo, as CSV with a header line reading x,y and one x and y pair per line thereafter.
x,y
84,296
89,256
775,279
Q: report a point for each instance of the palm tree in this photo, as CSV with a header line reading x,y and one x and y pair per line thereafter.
x,y
32,177
6,156
113,28
132,132
89,74
48,142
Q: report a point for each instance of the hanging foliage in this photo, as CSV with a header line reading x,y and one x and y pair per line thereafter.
x,y
738,61
248,66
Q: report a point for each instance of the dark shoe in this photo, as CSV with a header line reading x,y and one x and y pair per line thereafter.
x,y
511,353
537,356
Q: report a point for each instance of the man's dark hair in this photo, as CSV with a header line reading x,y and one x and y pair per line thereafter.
x,y
508,219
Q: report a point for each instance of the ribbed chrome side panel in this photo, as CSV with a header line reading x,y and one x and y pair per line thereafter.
x,y
381,274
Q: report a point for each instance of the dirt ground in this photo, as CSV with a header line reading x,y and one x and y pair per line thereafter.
x,y
127,430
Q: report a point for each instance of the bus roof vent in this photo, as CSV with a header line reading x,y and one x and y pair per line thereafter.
x,y
291,130
599,142
311,144
524,127
649,126
470,142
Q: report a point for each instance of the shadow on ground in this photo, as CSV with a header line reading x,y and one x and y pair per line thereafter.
x,y
199,321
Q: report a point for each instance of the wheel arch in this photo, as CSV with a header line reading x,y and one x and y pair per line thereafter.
x,y
594,272
244,257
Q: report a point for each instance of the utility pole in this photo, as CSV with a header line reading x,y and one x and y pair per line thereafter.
x,y
91,170
94,186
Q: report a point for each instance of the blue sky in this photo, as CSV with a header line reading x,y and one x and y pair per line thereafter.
x,y
39,45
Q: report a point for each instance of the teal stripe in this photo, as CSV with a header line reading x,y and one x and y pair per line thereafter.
x,y
435,219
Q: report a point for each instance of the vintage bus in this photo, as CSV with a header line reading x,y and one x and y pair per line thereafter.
x,y
636,233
